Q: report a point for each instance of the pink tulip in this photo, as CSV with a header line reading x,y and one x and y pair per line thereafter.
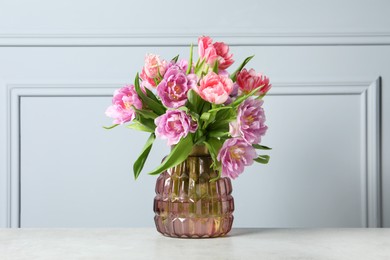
x,y
174,125
174,86
218,51
207,50
121,109
154,66
153,69
234,155
215,88
250,121
224,57
248,81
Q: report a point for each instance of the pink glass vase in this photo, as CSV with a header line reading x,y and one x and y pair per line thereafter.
x,y
188,205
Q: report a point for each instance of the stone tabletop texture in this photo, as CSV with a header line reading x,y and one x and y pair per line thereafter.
x,y
146,243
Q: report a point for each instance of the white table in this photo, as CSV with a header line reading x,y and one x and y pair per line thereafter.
x,y
131,243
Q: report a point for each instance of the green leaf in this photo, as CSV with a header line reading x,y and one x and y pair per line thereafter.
x,y
264,159
205,116
190,61
220,124
110,127
185,109
175,58
193,115
199,136
261,96
140,127
199,66
216,178
206,106
215,67
140,162
194,102
219,108
137,87
178,154
203,74
218,127
149,102
226,114
148,122
145,113
218,133
240,99
150,94
155,82
261,147
200,140
224,117
214,145
234,75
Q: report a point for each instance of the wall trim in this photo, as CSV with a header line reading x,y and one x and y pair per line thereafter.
x,y
373,155
4,157
184,39
370,153
15,93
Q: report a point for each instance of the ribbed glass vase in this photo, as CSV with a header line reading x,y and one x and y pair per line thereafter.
x,y
188,205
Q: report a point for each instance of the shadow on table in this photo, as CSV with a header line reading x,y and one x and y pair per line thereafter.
x,y
249,231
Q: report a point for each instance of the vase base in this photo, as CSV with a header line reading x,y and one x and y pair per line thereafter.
x,y
208,227
193,237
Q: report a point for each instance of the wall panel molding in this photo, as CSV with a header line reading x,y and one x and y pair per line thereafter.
x,y
371,208
4,157
372,136
251,22
15,93
180,38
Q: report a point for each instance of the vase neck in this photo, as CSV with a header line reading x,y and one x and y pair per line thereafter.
x,y
199,150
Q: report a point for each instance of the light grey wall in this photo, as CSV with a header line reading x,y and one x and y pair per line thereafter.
x,y
60,62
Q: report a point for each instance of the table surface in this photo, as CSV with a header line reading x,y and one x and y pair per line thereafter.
x,y
241,243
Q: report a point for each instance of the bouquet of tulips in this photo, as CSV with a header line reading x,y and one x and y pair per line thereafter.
x,y
190,102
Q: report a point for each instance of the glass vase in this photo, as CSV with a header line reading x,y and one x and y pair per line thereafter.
x,y
188,205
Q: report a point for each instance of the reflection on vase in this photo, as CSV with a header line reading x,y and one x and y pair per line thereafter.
x,y
188,205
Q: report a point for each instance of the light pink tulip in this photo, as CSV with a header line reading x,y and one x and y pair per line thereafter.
x,y
153,70
215,88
